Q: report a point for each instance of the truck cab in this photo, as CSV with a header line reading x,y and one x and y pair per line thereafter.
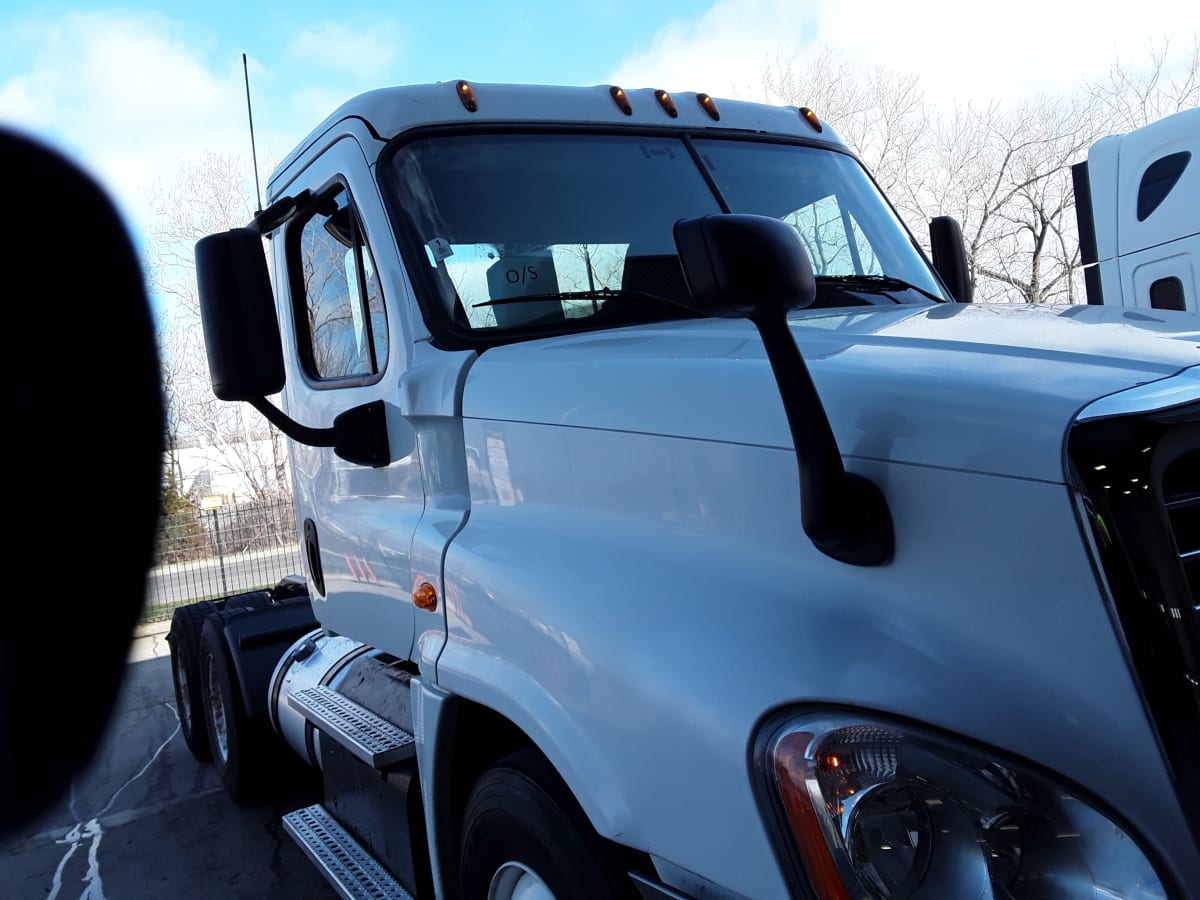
x,y
672,531
1139,233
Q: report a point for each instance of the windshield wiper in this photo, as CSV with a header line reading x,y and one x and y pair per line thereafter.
x,y
874,284
606,294
596,294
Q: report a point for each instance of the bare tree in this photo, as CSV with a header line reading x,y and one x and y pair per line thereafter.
x,y
1015,201
1004,173
1127,98
879,113
208,195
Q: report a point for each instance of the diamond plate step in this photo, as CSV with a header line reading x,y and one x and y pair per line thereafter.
x,y
350,869
371,738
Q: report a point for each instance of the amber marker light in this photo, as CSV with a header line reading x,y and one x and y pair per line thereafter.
x,y
425,597
811,118
791,764
665,101
467,95
621,100
709,106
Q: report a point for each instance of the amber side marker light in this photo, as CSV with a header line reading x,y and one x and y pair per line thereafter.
x,y
709,106
467,95
425,597
790,763
811,118
621,100
665,101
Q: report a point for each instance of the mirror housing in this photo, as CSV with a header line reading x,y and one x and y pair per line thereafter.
x,y
237,308
950,257
755,267
741,266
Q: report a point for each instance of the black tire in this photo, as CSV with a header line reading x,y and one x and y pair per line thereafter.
x,y
248,600
521,816
184,640
242,746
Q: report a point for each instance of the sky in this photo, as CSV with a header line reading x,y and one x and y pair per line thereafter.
x,y
133,91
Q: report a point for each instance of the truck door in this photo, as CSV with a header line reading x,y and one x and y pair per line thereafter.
x,y
1163,277
347,345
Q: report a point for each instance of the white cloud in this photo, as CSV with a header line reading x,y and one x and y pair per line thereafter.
x,y
17,103
723,53
311,104
961,51
134,98
125,96
363,51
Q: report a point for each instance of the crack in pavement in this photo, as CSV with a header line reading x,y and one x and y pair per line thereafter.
x,y
91,830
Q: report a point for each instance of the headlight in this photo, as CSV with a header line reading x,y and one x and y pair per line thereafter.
x,y
876,810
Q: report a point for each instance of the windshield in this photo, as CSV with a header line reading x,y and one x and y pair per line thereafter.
x,y
510,235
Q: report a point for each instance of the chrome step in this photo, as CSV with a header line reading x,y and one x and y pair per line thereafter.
x,y
373,739
351,870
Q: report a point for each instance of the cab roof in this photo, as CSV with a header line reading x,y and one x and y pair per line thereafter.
x,y
388,112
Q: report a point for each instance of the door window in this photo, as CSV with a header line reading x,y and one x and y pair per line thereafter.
x,y
342,324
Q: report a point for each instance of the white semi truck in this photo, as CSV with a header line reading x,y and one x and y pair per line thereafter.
x,y
670,531
1139,230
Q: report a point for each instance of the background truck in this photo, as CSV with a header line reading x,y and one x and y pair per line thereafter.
x,y
671,532
1135,202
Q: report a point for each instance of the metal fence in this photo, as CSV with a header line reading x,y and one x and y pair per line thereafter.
x,y
209,553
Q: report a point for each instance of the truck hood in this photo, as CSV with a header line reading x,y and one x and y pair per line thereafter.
x,y
984,388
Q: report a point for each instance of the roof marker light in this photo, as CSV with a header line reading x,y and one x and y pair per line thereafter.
x,y
811,118
709,106
665,101
621,100
467,96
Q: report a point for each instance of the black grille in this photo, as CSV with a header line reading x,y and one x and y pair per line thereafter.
x,y
1181,497
1140,479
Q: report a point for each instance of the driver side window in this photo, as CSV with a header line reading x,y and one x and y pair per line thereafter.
x,y
342,322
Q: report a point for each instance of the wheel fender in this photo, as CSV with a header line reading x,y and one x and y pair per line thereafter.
x,y
510,692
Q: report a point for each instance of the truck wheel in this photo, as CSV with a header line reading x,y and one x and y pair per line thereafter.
x,y
248,600
526,838
184,640
241,746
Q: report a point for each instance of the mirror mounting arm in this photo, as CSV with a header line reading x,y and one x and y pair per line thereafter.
x,y
755,267
845,515
358,435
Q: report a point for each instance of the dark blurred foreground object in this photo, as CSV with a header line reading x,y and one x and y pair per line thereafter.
x,y
84,422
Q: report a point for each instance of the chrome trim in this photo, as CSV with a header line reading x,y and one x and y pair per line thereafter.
x,y
1175,390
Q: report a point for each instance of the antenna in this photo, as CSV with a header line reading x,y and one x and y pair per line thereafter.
x,y
253,153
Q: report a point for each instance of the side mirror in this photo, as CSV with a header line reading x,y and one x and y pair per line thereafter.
x,y
245,353
950,257
754,267
742,266
237,307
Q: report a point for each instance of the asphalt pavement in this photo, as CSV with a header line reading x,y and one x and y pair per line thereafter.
x,y
145,820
